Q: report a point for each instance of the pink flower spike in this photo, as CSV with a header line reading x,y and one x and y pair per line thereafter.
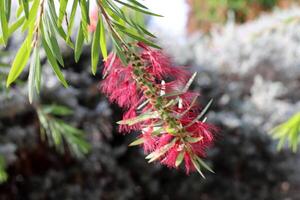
x,y
160,66
131,113
188,163
93,20
163,140
171,156
154,96
149,141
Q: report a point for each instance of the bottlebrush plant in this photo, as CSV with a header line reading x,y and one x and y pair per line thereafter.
x,y
137,75
164,112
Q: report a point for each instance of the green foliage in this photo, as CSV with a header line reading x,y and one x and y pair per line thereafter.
x,y
4,22
60,134
288,131
4,69
3,174
96,47
79,42
34,77
20,61
119,23
46,24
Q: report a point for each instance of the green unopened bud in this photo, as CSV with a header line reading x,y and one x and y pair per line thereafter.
x,y
171,131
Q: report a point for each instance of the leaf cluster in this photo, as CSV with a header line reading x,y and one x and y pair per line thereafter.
x,y
47,22
289,132
60,134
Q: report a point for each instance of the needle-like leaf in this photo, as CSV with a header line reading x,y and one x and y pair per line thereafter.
x,y
96,48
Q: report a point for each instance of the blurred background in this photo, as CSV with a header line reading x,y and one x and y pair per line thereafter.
x,y
247,53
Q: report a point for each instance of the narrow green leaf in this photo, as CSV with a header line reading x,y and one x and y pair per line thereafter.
x,y
20,61
146,31
35,62
16,25
32,15
132,29
173,94
53,24
102,40
158,130
62,11
143,104
135,33
289,132
138,9
3,173
38,75
160,152
19,11
201,115
60,134
114,11
7,8
118,50
138,4
179,158
138,38
137,142
72,17
107,71
79,43
56,134
13,28
84,11
172,102
69,129
189,83
52,9
56,50
203,164
4,22
33,10
197,166
96,48
57,110
50,37
190,139
86,33
85,19
140,118
139,19
53,63
25,7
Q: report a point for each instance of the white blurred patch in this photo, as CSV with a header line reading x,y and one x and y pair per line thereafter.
x,y
174,21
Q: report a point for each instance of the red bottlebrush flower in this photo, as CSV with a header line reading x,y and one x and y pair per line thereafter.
x,y
170,129
171,156
119,84
201,129
188,98
149,140
160,66
163,140
131,113
188,163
